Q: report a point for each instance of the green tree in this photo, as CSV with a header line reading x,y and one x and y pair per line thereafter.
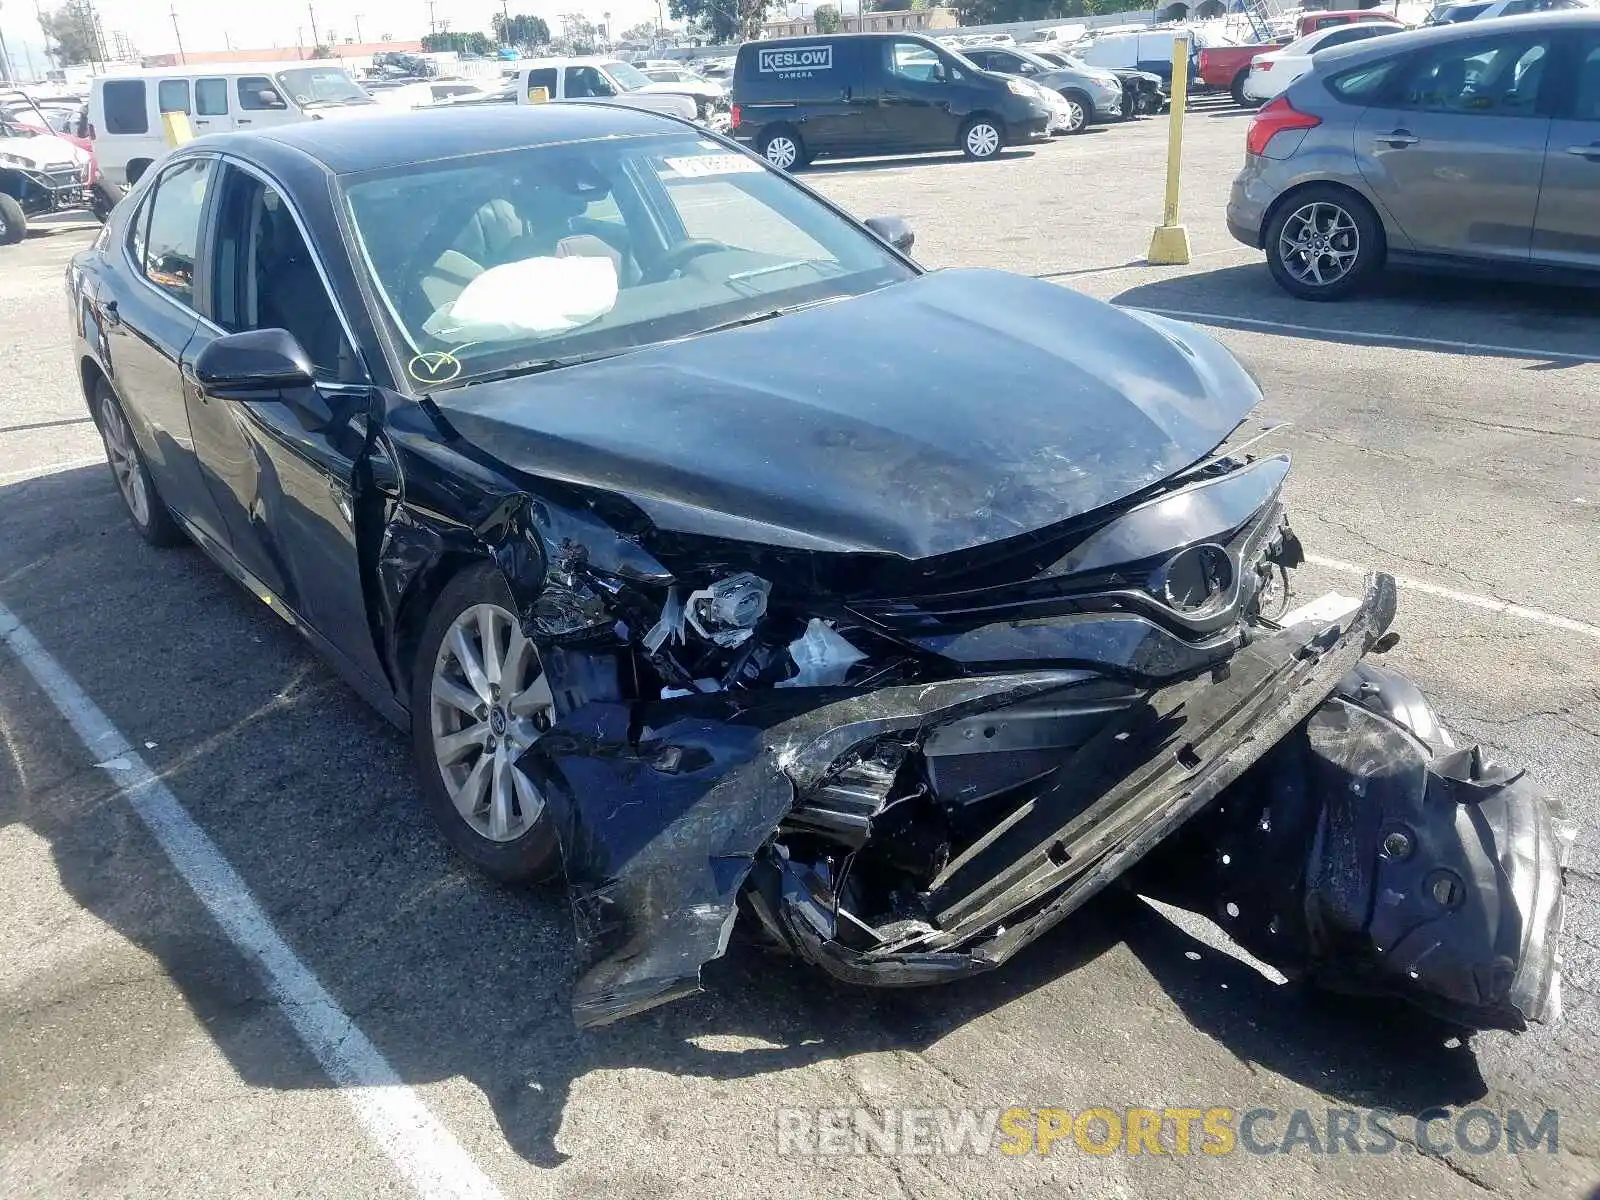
x,y
69,34
521,30
579,35
724,20
461,43
644,31
321,51
827,18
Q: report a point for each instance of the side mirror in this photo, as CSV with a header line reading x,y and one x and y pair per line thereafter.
x,y
894,230
262,364
271,99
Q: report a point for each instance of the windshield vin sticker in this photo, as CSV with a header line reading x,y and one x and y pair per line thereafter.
x,y
794,60
700,165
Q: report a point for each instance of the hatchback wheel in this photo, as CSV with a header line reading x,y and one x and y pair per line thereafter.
x,y
145,508
1324,244
981,138
784,150
479,699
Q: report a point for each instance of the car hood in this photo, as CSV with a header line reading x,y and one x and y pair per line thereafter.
x,y
949,411
44,150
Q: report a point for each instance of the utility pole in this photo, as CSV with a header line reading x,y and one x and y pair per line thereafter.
x,y
178,33
316,40
433,25
5,61
358,30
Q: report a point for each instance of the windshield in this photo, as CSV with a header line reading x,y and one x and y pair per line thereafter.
x,y
629,78
502,262
310,86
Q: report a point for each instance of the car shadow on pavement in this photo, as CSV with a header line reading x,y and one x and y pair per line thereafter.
x,y
840,166
310,798
1553,327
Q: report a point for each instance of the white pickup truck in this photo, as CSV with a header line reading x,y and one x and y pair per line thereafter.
x,y
538,80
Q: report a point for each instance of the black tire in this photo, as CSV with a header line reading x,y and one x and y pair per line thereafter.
x,y
101,202
533,855
151,518
1328,233
784,148
977,144
1236,90
1085,105
13,221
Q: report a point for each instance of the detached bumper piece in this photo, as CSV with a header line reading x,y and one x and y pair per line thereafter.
x,y
914,834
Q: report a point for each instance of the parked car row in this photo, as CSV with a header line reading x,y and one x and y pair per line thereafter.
x,y
798,99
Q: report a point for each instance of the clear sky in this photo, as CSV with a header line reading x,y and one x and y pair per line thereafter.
x,y
261,23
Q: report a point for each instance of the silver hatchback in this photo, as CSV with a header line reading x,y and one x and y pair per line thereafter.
x,y
1465,147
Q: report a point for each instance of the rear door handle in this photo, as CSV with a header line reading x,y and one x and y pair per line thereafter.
x,y
1399,138
1591,151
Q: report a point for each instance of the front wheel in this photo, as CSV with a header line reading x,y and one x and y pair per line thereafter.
x,y
981,138
783,149
1237,92
13,221
1324,244
479,699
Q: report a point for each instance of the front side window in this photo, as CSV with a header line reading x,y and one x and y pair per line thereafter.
x,y
595,248
265,278
125,106
587,83
173,95
257,94
211,97
1498,77
173,238
914,61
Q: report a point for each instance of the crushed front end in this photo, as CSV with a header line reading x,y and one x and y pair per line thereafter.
x,y
905,772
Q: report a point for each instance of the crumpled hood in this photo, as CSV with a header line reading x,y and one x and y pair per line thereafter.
x,y
946,412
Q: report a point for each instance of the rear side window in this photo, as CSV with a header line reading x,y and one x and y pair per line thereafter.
x,y
544,77
1586,100
173,237
587,81
172,95
1355,33
125,106
1364,84
211,97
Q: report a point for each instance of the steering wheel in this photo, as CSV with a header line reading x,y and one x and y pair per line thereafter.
x,y
678,257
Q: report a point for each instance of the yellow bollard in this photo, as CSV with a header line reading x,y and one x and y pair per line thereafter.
x,y
176,128
1169,245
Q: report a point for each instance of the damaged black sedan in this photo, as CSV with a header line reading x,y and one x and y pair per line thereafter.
x,y
714,553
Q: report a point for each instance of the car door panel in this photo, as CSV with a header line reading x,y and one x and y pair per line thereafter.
x,y
914,110
1457,154
147,330
286,492
1567,230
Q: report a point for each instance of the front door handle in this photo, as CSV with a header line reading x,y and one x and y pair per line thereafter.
x,y
1591,151
241,120
1398,139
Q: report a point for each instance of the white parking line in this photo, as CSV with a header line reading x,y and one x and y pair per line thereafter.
x,y
1367,337
1487,603
394,1116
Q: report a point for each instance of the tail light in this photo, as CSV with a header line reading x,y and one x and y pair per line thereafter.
x,y
1262,64
733,117
1278,117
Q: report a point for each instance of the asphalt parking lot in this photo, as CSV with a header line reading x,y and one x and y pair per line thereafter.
x,y
1443,431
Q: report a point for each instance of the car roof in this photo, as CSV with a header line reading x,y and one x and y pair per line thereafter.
x,y
573,60
1357,52
352,145
181,71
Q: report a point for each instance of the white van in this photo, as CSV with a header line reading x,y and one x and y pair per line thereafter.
x,y
125,108
597,78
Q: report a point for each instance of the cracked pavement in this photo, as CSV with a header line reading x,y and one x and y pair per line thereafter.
x,y
140,1057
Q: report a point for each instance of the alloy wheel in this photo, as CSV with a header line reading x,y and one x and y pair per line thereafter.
x,y
1319,244
490,702
983,140
782,152
1074,116
124,459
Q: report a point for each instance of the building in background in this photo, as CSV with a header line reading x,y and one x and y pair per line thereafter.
x,y
911,20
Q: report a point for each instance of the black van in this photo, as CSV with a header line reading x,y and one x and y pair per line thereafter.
x,y
796,99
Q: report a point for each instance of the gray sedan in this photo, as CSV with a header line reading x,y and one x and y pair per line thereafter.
x,y
1091,94
1465,147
